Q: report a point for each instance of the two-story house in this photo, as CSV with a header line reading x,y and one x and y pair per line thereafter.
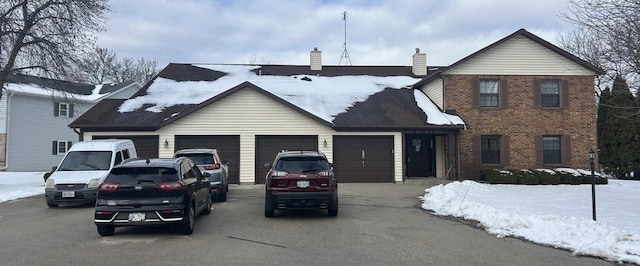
x,y
35,113
495,108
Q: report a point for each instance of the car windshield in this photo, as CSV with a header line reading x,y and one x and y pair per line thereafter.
x,y
137,175
199,158
302,164
86,161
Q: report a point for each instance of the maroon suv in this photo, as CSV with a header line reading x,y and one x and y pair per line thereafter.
x,y
300,180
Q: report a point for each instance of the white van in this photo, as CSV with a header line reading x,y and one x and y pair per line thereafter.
x,y
83,168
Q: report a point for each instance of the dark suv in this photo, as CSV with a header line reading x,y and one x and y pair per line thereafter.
x,y
151,192
300,180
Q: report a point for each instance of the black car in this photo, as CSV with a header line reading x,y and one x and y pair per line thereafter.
x,y
152,192
300,180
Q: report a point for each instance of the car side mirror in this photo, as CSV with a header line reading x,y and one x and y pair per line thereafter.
x,y
227,162
47,175
266,165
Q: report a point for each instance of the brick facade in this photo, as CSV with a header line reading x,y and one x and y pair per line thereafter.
x,y
522,121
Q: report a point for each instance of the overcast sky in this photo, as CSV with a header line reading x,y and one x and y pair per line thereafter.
x,y
379,32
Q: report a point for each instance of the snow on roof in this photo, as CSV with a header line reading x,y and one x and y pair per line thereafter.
x,y
35,89
324,97
434,115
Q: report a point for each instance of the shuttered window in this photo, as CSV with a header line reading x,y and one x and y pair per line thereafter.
x,y
491,149
60,147
551,93
489,93
61,109
553,150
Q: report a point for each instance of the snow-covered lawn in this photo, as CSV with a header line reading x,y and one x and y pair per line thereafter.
x,y
554,215
558,216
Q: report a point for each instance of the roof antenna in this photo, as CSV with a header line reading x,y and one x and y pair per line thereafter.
x,y
345,54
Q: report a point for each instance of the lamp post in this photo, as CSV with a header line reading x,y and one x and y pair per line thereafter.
x,y
592,154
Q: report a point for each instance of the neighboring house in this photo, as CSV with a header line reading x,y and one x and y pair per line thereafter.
x,y
375,123
35,113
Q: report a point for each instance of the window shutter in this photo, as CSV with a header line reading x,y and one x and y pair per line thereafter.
x,y
564,93
477,150
54,149
505,156
537,97
475,92
566,150
539,154
70,110
69,143
504,93
56,108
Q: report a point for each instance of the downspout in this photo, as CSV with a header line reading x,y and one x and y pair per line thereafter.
x,y
6,142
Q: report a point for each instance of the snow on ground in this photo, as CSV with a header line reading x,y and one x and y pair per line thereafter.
x,y
16,185
555,215
558,216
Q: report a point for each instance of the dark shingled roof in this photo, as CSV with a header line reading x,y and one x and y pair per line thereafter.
x,y
390,108
65,86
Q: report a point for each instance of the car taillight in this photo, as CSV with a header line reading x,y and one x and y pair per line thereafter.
x,y
211,167
108,186
325,173
174,185
275,173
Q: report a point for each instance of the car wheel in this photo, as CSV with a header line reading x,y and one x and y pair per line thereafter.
x,y
333,211
51,204
207,209
105,230
222,197
269,211
186,228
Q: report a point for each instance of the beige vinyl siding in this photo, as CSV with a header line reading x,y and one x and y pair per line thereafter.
x,y
435,92
519,56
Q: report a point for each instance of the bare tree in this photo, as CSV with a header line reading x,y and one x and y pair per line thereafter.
x,y
43,36
102,65
608,36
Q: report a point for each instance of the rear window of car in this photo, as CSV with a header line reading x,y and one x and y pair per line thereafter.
x,y
199,158
142,174
302,164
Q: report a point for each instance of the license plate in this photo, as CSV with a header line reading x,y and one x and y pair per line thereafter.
x,y
303,183
68,194
136,217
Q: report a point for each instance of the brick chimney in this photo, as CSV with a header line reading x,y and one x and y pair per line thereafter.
x,y
316,59
419,63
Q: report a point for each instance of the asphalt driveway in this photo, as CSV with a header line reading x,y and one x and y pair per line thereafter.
x,y
377,224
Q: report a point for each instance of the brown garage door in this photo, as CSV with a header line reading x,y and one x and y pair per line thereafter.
x,y
268,146
146,145
363,159
228,148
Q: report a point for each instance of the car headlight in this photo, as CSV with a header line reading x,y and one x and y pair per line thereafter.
x,y
94,183
50,183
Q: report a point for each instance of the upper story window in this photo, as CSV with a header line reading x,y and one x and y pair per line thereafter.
x,y
550,93
489,92
61,109
490,147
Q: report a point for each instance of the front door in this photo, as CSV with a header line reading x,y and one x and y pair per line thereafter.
x,y
420,155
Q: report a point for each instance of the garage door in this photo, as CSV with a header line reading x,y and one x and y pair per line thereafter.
x,y
146,145
268,146
228,148
363,159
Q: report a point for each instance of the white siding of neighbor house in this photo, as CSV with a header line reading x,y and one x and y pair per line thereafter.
x,y
3,114
519,56
248,113
434,90
31,130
